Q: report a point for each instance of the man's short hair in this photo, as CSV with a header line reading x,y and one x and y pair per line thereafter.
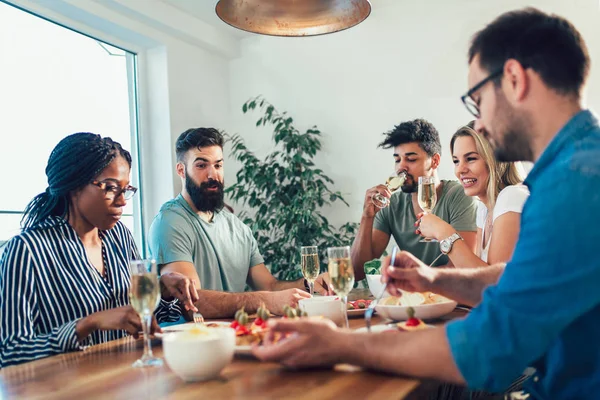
x,y
419,131
197,138
548,44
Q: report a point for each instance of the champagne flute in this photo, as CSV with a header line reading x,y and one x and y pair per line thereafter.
x,y
310,265
393,183
427,198
144,296
341,274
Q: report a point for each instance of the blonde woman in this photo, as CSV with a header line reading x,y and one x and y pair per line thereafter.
x,y
498,187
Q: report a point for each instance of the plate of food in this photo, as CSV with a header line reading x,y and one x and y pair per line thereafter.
x,y
411,324
357,308
426,305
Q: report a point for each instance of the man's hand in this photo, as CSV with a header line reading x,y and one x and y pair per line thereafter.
x,y
408,273
276,300
323,285
370,209
309,342
174,284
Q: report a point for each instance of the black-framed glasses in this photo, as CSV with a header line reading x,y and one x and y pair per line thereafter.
x,y
472,105
112,191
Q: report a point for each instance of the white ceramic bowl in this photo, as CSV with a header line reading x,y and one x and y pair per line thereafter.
x,y
325,306
375,285
423,311
199,357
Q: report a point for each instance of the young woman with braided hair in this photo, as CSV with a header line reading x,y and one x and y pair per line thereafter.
x,y
64,280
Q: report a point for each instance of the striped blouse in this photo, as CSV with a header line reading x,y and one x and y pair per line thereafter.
x,y
47,284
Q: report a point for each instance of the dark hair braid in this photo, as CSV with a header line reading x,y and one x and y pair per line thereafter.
x,y
75,162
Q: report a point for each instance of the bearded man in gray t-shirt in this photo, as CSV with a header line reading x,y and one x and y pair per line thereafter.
x,y
417,152
195,236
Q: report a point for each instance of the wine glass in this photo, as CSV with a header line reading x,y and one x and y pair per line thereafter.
x,y
144,296
310,265
341,274
427,197
393,183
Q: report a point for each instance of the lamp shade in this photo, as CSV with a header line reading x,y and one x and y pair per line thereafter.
x,y
293,17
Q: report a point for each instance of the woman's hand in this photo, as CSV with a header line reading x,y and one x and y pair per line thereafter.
x,y
125,318
432,226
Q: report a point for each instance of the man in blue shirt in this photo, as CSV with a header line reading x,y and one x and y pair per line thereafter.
x,y
542,310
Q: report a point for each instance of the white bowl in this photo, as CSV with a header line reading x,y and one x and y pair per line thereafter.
x,y
376,286
325,306
199,357
423,311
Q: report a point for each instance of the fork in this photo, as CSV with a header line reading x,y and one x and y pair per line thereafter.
x,y
371,309
198,318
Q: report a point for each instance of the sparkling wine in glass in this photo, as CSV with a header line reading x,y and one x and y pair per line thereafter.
x,y
427,198
341,274
310,265
144,296
393,183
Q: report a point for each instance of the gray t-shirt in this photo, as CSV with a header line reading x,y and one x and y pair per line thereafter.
x,y
223,251
398,220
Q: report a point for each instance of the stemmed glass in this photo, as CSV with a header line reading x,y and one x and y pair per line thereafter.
x,y
427,197
144,296
341,274
310,265
393,183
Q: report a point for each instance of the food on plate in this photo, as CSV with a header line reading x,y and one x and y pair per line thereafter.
x,y
409,299
255,332
412,323
358,304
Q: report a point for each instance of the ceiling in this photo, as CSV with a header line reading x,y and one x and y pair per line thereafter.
x,y
204,10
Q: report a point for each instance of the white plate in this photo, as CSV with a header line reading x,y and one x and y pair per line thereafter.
x,y
356,313
382,328
239,350
423,311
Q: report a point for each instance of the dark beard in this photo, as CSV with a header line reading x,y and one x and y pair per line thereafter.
x,y
205,200
409,187
515,144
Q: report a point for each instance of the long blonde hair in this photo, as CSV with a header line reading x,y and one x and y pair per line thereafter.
x,y
501,174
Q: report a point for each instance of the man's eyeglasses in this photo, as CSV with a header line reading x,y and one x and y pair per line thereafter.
x,y
112,191
472,105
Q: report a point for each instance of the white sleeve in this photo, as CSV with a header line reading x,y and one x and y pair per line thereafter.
x,y
511,199
481,214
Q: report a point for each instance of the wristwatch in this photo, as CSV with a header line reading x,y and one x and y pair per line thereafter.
x,y
446,244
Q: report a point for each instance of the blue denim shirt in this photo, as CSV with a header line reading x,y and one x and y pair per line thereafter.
x,y
545,310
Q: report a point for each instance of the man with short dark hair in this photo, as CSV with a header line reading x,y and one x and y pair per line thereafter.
x,y
193,235
417,152
527,70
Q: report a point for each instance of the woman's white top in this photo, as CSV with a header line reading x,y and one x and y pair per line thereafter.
x,y
510,199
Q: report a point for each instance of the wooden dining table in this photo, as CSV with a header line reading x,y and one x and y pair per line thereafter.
x,y
104,371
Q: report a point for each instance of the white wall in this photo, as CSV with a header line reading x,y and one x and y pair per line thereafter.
x,y
407,60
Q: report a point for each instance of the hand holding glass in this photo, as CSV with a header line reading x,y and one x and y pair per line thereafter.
x,y
393,183
144,296
427,198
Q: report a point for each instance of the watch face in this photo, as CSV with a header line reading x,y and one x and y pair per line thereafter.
x,y
445,246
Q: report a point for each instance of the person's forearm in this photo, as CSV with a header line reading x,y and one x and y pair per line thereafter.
x,y
362,248
462,257
466,285
282,285
422,354
84,327
214,304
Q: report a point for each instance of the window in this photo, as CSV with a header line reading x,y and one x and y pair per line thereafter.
x,y
56,82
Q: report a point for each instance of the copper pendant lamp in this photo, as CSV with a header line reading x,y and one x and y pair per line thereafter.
x,y
293,17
